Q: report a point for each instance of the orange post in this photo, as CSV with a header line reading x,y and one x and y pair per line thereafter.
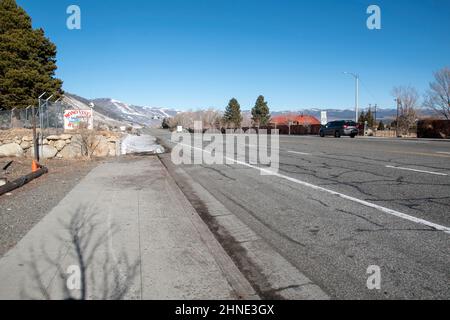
x,y
35,166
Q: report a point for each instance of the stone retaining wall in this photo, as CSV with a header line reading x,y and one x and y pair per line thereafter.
x,y
63,146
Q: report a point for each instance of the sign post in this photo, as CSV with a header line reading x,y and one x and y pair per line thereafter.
x,y
323,118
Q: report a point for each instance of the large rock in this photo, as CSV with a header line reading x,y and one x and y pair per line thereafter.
x,y
100,146
112,149
60,144
72,150
54,137
25,145
65,136
49,152
27,138
11,150
113,139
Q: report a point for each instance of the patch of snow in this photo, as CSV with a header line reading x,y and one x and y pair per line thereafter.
x,y
140,144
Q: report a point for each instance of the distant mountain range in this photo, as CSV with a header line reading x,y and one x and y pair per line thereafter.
x,y
385,115
345,114
123,112
148,116
109,110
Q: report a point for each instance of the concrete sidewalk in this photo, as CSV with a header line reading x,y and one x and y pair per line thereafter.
x,y
126,231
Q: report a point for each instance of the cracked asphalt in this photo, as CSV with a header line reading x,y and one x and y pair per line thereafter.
x,y
334,240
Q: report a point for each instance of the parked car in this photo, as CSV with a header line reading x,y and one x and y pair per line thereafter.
x,y
339,128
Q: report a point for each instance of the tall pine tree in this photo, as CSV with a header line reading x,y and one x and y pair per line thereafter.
x,y
232,116
261,112
367,116
27,59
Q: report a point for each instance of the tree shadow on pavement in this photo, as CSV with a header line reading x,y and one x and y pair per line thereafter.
x,y
84,265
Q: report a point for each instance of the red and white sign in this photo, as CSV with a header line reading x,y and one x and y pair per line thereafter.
x,y
78,119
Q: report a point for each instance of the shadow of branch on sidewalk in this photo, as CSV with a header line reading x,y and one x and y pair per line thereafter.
x,y
83,264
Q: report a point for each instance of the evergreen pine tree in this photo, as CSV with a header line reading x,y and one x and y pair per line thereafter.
x,y
370,118
27,59
260,112
381,126
165,124
232,116
362,117
367,116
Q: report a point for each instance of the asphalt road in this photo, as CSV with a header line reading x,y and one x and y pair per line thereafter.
x,y
338,206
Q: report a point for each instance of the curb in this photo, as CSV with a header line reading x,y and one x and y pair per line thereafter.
x,y
272,276
241,286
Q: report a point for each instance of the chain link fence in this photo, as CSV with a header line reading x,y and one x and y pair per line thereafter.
x,y
49,118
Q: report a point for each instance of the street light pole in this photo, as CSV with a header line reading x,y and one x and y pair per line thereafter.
x,y
396,121
376,106
357,99
356,76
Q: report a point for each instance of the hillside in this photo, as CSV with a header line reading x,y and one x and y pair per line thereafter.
x,y
110,110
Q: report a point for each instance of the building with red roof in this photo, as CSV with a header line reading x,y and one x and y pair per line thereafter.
x,y
294,119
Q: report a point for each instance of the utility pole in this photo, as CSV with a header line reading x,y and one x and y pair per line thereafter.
x,y
376,114
357,99
356,76
396,121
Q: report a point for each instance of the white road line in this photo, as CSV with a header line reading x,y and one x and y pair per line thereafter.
x,y
301,153
341,195
442,152
416,170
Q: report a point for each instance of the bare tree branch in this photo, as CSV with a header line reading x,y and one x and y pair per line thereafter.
x,y
438,96
408,105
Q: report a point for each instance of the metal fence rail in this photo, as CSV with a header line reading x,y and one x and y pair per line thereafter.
x,y
46,118
50,116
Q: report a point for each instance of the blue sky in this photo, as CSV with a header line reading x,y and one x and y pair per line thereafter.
x,y
190,54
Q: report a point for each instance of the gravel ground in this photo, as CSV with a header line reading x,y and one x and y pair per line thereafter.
x,y
25,207
18,168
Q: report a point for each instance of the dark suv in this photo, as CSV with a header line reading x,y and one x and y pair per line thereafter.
x,y
339,128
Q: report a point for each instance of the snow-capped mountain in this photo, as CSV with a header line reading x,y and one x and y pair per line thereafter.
x,y
143,115
124,112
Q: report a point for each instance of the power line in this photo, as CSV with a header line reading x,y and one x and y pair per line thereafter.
x,y
368,91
